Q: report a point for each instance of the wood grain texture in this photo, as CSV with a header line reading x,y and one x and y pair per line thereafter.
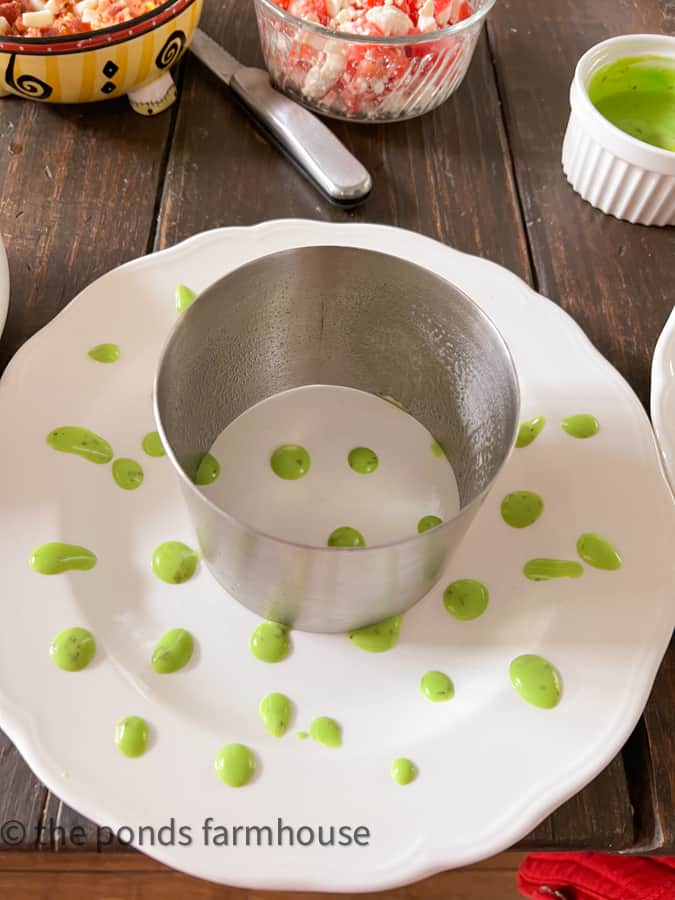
x,y
22,798
78,188
79,876
447,175
616,279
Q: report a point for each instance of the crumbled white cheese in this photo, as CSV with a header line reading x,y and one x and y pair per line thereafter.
x,y
42,19
426,20
323,75
35,5
391,21
334,7
4,25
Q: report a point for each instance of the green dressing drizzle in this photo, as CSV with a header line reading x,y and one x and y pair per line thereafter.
x,y
427,522
275,712
546,569
131,736
598,552
536,680
326,731
173,651
207,470
82,442
270,642
581,426
128,474
73,649
363,460
403,770
184,298
55,558
152,444
529,431
346,536
235,765
174,562
379,637
437,687
521,508
290,461
466,599
105,353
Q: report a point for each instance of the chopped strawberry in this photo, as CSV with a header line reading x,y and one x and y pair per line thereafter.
x,y
11,11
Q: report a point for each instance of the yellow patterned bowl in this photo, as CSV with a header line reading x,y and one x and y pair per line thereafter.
x,y
132,58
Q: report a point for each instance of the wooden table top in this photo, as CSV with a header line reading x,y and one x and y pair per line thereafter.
x,y
86,188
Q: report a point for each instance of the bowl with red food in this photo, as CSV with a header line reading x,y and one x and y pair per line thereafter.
x,y
79,51
370,60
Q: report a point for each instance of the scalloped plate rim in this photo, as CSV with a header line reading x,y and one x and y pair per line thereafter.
x,y
417,865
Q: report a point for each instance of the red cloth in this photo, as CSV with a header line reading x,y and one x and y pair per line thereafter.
x,y
596,876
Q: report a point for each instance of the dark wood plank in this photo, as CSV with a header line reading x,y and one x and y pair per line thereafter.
x,y
613,277
79,187
446,175
78,876
22,797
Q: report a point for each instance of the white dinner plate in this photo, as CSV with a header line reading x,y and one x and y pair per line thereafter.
x,y
663,395
490,765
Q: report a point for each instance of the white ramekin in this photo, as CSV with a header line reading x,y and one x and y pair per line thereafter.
x,y
615,172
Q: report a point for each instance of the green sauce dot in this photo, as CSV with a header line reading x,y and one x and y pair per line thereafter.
x,y
270,642
345,536
363,460
437,450
428,522
437,687
581,426
536,680
275,712
207,470
55,558
235,765
173,651
81,442
546,569
521,508
184,298
466,599
128,474
598,552
326,731
174,562
529,431
290,461
403,770
131,736
105,353
379,637
303,735
152,444
73,649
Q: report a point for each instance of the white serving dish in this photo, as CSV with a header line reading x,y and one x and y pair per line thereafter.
x,y
612,170
490,766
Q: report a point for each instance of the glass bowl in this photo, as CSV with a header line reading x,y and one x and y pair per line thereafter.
x,y
362,77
